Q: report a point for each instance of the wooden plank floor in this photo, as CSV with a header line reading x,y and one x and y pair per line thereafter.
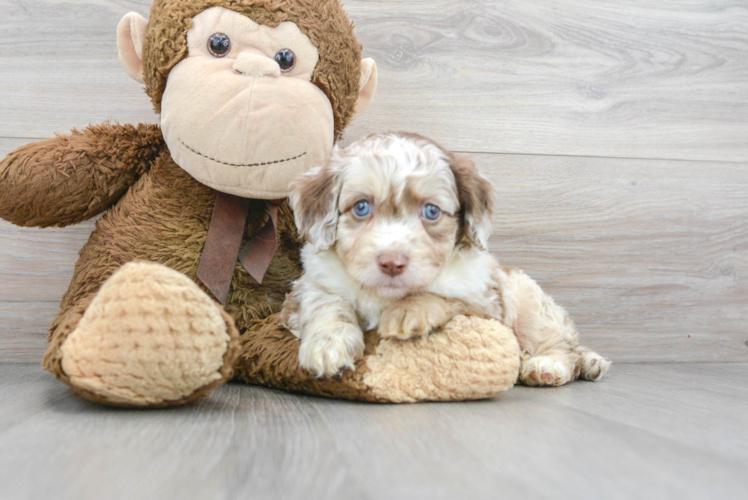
x,y
646,431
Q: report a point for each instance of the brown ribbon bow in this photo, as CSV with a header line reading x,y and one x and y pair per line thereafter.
x,y
222,247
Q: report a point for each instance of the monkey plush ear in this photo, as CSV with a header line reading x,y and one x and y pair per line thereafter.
x,y
367,87
130,38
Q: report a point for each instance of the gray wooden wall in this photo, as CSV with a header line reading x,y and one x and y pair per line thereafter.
x,y
615,130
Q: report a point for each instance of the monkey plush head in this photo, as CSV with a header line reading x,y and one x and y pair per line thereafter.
x,y
251,93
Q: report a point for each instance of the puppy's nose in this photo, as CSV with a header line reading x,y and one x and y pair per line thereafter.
x,y
392,263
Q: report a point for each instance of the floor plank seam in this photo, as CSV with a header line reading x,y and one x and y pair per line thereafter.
x,y
514,153
631,158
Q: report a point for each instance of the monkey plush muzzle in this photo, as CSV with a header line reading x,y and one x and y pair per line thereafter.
x,y
217,106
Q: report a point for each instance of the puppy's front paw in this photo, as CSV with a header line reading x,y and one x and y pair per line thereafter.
x,y
544,371
326,354
414,316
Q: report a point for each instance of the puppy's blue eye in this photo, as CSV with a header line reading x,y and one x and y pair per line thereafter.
x,y
362,209
431,212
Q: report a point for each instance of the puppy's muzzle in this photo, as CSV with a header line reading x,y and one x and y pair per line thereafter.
x,y
393,263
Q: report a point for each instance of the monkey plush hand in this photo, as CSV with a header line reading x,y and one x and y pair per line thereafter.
x,y
180,285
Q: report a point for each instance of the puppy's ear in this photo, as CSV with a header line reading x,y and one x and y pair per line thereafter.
x,y
314,201
477,202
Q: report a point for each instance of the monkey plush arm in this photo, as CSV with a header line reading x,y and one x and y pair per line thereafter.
x,y
68,179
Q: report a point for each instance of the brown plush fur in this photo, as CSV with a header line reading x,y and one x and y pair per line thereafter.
x,y
323,21
69,179
270,357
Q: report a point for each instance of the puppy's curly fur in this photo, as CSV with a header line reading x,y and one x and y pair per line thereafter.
x,y
397,232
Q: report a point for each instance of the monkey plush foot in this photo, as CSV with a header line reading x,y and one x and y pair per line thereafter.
x,y
150,337
470,358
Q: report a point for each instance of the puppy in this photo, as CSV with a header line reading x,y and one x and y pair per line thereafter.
x,y
397,232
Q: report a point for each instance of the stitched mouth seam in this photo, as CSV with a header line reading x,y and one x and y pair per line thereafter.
x,y
238,164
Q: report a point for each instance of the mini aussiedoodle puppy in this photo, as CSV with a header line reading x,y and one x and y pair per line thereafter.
x,y
397,232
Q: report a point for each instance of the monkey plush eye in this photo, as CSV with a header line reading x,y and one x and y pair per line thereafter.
x,y
219,45
431,212
286,59
362,208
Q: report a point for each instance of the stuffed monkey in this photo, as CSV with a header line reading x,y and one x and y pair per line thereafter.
x,y
180,285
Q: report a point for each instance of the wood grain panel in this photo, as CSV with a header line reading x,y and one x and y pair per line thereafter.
x,y
23,329
37,264
629,78
650,257
59,67
617,78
